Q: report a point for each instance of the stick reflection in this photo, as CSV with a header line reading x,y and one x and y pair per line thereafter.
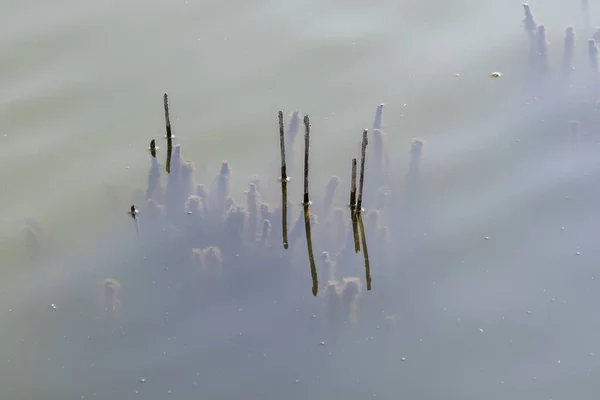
x,y
311,258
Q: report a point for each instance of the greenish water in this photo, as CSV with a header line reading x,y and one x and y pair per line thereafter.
x,y
82,86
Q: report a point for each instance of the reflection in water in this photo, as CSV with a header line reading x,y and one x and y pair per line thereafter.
x,y
496,250
133,211
365,250
359,209
306,205
585,9
569,50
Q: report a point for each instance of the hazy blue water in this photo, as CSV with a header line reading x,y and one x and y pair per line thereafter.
x,y
81,98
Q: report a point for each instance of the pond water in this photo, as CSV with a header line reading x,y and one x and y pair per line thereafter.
x,y
484,281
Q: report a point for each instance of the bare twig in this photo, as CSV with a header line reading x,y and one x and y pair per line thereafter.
x,y
311,258
363,153
169,135
353,207
284,181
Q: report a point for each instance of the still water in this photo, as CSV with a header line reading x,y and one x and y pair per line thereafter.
x,y
492,294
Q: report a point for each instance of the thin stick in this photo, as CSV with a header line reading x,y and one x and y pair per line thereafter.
x,y
311,258
353,207
363,153
169,135
365,250
284,181
363,156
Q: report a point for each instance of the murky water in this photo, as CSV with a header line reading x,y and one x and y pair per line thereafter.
x,y
491,287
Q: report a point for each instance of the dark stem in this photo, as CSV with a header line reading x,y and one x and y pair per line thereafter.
x,y
169,135
306,151
311,258
153,148
365,250
363,156
353,207
283,183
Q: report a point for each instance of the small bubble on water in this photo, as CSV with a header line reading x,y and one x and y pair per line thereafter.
x,y
403,359
487,238
297,380
53,306
143,380
322,343
480,329
578,253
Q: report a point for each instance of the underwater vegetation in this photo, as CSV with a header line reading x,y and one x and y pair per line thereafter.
x,y
180,221
361,244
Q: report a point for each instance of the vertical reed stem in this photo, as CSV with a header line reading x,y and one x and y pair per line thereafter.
x,y
284,180
169,135
353,206
311,258
363,153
